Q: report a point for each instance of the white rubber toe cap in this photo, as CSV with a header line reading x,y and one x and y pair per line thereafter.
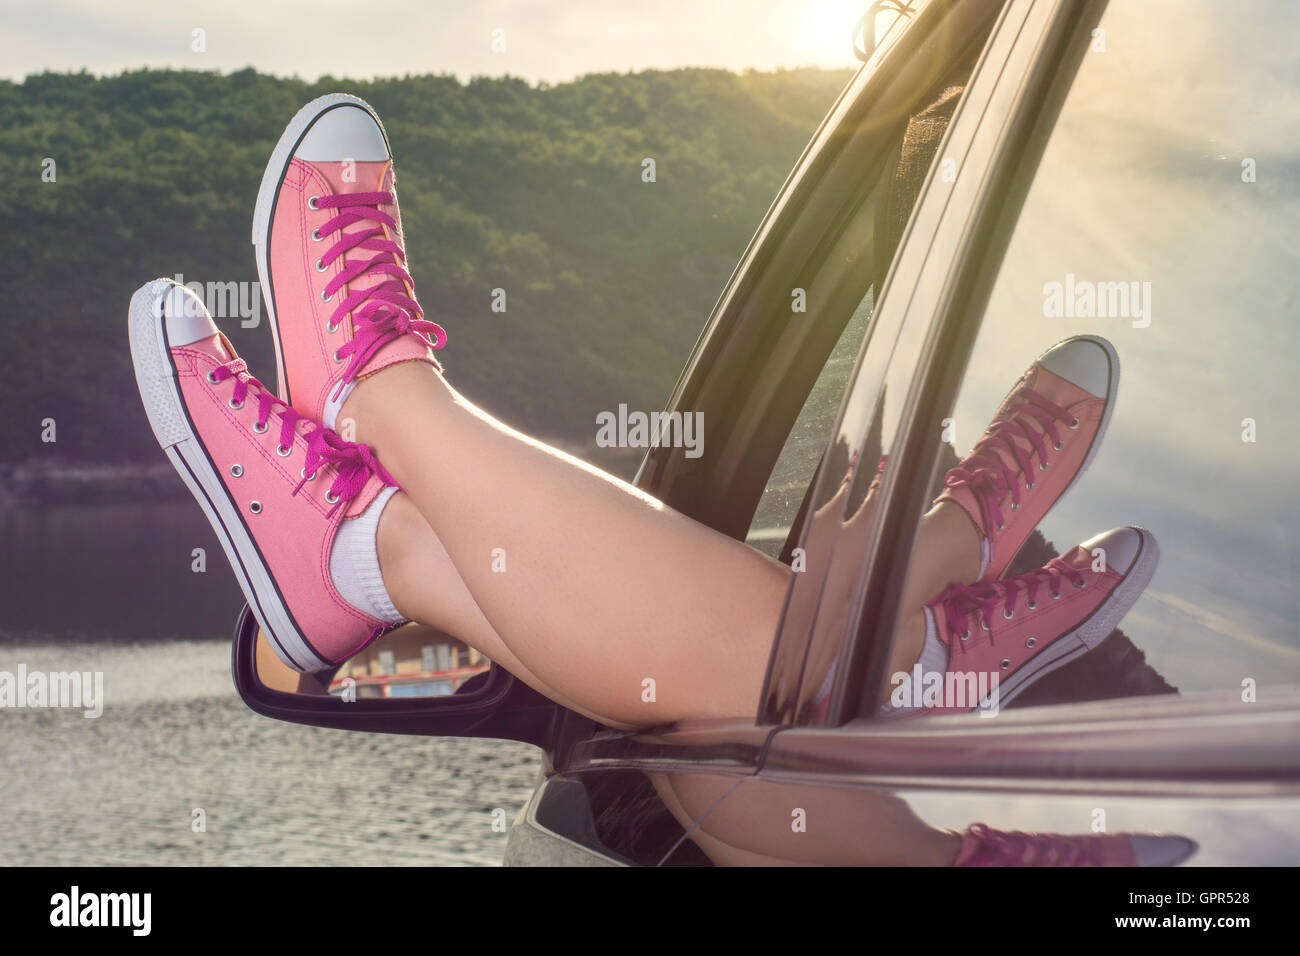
x,y
1122,547
343,131
187,317
1152,850
1090,362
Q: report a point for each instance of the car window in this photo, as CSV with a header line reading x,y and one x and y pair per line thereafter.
x,y
1162,220
862,256
797,463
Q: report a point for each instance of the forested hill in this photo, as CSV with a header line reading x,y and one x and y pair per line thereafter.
x,y
536,190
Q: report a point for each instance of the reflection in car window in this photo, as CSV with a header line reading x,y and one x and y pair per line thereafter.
x,y
883,217
798,460
1163,218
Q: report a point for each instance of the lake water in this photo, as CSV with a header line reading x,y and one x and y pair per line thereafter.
x,y
111,589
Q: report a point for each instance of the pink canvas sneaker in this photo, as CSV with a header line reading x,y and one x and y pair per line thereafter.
x,y
332,259
1045,434
275,487
1002,636
983,846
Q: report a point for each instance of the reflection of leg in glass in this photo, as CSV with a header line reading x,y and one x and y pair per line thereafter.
x,y
1044,434
761,822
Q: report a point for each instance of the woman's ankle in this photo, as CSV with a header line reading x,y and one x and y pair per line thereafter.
x,y
380,400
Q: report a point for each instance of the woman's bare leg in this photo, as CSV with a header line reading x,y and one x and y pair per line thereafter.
x,y
425,586
607,596
592,591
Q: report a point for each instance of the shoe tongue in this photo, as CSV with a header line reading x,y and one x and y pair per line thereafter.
x,y
1057,389
214,346
363,177
367,177
1078,557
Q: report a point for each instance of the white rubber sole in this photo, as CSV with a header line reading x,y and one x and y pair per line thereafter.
x,y
155,376
267,194
1091,632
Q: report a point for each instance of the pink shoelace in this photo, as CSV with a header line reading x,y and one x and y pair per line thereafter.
x,y
1016,848
963,604
383,311
353,461
986,473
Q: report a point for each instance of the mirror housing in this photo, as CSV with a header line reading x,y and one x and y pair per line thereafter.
x,y
502,707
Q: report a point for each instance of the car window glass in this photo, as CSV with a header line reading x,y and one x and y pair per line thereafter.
x,y
802,451
1162,220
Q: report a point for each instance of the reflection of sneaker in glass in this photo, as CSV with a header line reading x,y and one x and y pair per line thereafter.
x,y
332,260
878,477
290,502
1019,629
1044,435
983,846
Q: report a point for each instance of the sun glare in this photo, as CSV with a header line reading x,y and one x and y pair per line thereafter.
x,y
824,31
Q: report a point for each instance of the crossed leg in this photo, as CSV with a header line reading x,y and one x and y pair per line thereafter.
x,y
586,588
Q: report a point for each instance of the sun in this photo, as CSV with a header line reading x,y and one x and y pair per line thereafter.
x,y
821,31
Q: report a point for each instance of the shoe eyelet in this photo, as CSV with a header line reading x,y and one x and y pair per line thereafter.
x,y
1005,663
1074,424
302,473
260,427
1031,606
316,236
282,451
324,297
255,507
1016,506
336,356
1029,487
1081,585
311,202
1002,527
1007,615
1042,466
984,625
237,470
964,636
320,265
331,498
1031,642
331,327
1058,446
231,403
212,378
1056,596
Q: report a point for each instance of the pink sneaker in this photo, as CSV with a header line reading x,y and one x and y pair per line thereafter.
x,y
1044,435
274,486
1022,628
332,260
983,846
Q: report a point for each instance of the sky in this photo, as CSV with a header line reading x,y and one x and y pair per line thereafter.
x,y
543,41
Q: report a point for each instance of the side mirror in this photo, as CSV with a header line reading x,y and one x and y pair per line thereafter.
x,y
413,680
